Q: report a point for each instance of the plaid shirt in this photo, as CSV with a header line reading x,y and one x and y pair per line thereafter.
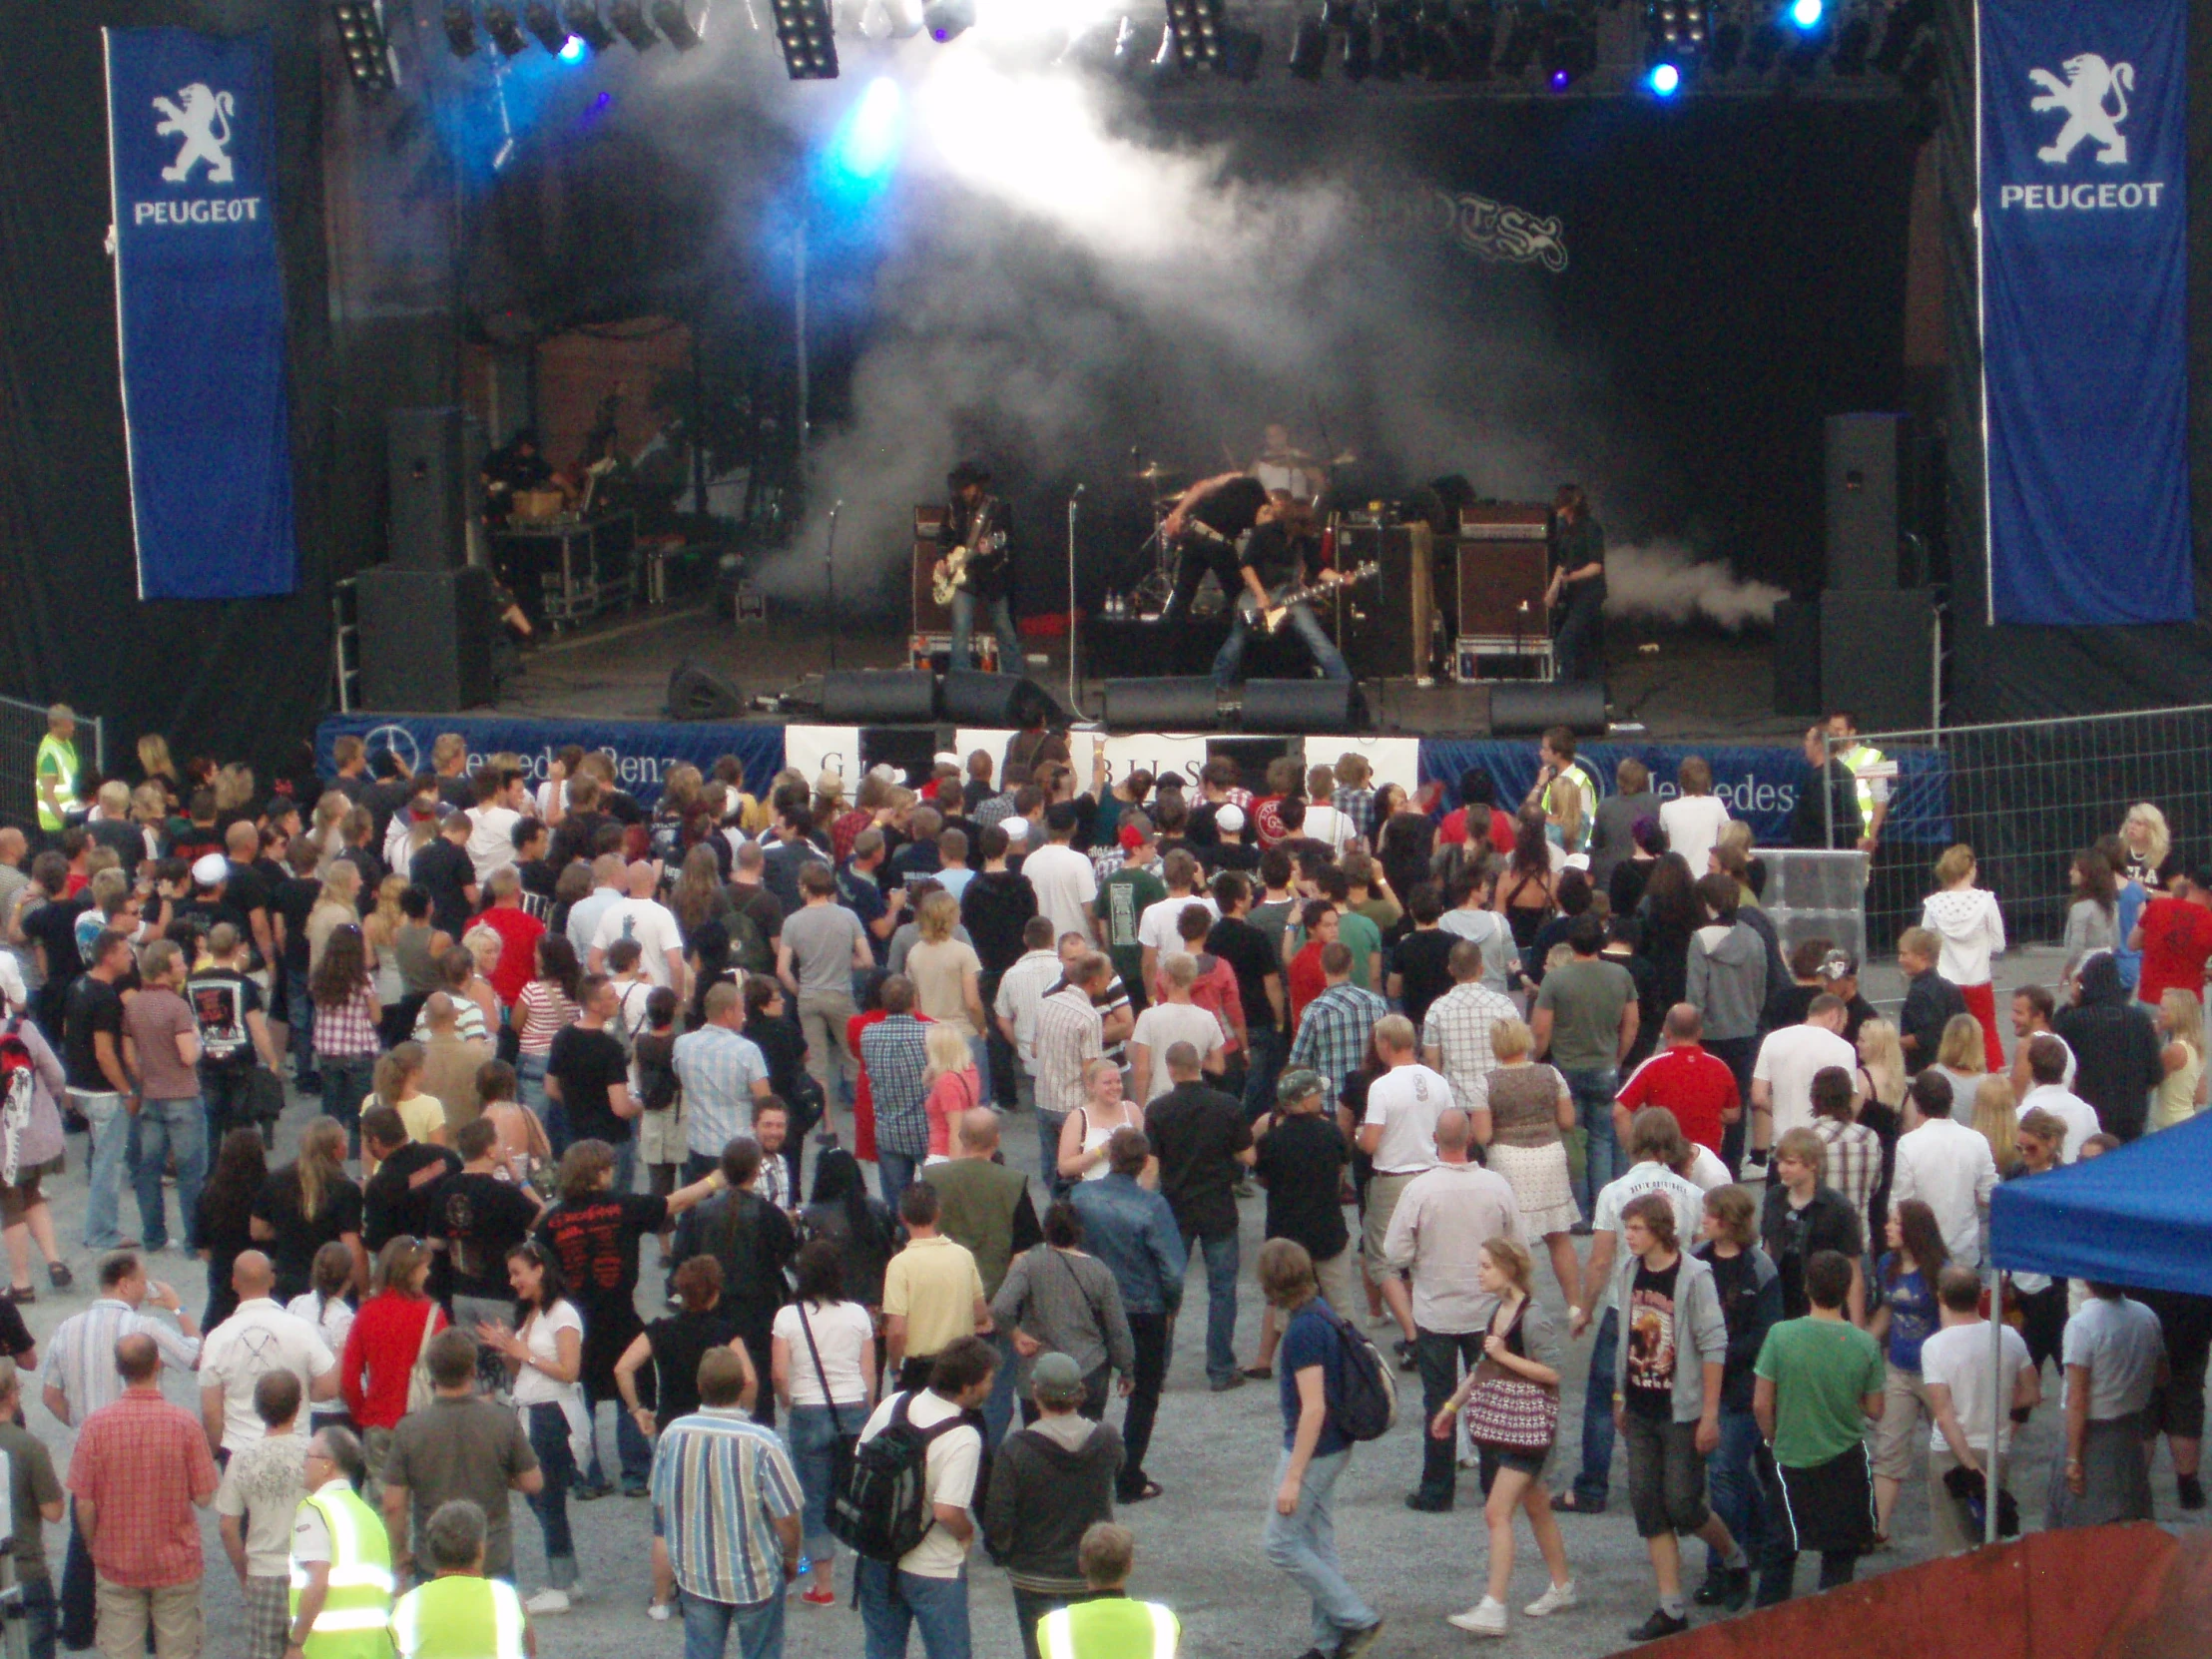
x,y
346,1033
719,1483
81,1358
1333,1033
1068,1033
1854,1165
1460,1024
895,1053
144,1466
717,1068
1358,806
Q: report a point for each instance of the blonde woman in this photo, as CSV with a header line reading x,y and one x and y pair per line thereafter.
x,y
1996,1116
1524,1129
1882,1077
381,933
948,974
2149,846
160,772
336,905
954,1084
2181,1095
233,794
399,1086
1564,822
327,830
1090,1126
1959,1058
1966,918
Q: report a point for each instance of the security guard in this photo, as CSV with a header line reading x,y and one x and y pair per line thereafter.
x,y
1109,1625
1864,760
55,768
459,1615
342,1581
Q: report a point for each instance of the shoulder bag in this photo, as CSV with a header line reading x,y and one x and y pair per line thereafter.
x,y
1507,1411
840,1448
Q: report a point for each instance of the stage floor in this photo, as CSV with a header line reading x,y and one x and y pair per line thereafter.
x,y
1681,686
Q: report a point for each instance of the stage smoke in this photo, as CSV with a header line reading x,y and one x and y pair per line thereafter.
x,y
1663,581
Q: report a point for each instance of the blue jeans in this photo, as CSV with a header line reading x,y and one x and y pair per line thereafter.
x,y
1048,1151
631,1445
626,1170
223,1097
1220,1302
1596,1478
111,1140
38,1617
1001,618
347,1081
1304,1546
1263,1067
80,1588
530,1084
1602,1164
998,1409
160,1128
549,1439
1739,1494
813,1438
1303,622
706,1627
892,1602
895,1172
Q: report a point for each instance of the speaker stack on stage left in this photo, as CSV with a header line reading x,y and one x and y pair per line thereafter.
x,y
425,617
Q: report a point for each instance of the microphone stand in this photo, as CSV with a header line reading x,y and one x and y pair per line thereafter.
x,y
1074,506
830,580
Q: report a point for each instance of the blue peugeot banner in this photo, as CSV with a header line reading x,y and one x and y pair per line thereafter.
x,y
2085,266
199,312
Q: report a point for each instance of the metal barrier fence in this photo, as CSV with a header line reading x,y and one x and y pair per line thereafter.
x,y
22,728
2027,794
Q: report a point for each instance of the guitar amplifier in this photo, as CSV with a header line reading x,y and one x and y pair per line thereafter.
x,y
929,616
1385,628
1504,554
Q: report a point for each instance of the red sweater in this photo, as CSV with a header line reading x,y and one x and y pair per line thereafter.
x,y
519,933
380,1353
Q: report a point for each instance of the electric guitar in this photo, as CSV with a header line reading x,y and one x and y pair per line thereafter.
x,y
1278,604
984,542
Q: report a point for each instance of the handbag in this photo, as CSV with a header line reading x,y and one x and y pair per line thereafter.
x,y
840,1448
1508,1412
421,1389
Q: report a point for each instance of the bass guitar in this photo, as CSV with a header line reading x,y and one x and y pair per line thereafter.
x,y
1278,604
984,542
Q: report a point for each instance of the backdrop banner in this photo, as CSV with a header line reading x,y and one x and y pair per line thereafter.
x,y
2084,310
199,312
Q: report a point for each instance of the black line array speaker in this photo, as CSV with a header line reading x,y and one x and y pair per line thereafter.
x,y
1303,706
696,692
1168,704
997,700
1531,708
879,697
1866,467
425,638
1876,658
1797,657
428,487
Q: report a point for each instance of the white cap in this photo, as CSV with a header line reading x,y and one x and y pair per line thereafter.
x,y
210,869
1229,819
945,757
1017,829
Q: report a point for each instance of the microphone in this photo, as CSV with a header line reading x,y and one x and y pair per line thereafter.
x,y
1078,493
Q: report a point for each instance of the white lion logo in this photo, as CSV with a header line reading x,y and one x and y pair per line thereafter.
x,y
203,110
2089,80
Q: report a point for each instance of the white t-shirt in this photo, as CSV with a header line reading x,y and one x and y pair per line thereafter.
x,y
256,1339
2080,1117
1786,1062
1406,1101
491,843
1064,882
1326,823
1165,1024
1958,1358
532,1386
842,1330
1647,1177
950,1476
1693,823
1706,1172
2120,1343
647,922
334,1318
1156,927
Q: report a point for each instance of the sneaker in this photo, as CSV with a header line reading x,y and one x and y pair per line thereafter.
x,y
1221,1384
1661,1623
546,1601
58,1273
2190,1489
1557,1598
1358,1642
819,1595
1422,1503
659,1612
1484,1618
1728,1587
1406,1359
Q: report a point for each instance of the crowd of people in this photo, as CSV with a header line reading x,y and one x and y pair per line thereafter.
x,y
1436,1044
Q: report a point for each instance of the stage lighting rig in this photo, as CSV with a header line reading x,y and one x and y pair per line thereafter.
x,y
1359,59
460,29
808,38
948,19
669,14
1674,32
1196,28
1854,39
1569,49
538,18
585,23
1905,22
368,50
1524,34
1309,49
628,17
505,32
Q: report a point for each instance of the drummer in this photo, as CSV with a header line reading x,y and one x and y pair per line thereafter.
x,y
1281,467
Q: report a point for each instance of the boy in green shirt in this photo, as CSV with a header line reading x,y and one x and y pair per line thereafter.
x,y
1123,899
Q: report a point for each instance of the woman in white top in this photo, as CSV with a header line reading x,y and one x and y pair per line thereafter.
x,y
1176,1021
2181,1094
1090,1126
1973,930
544,1354
1961,1061
1322,821
1693,818
326,1309
822,1353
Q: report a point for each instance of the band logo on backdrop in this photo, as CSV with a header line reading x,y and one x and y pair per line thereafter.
x,y
1495,232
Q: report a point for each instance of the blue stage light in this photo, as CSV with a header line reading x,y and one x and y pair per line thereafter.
x,y
867,144
1805,14
1666,80
573,52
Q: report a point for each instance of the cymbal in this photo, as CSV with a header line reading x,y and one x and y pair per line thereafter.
x,y
1167,500
1156,472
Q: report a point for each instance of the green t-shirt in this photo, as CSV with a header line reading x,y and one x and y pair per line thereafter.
x,y
1121,903
1363,939
1820,1370
1586,999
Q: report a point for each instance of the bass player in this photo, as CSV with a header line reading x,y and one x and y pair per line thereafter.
x,y
1270,562
976,536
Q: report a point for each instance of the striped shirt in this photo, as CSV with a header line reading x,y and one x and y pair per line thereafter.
x,y
543,1008
1068,1033
717,1068
79,1361
1333,1033
720,1482
1460,1024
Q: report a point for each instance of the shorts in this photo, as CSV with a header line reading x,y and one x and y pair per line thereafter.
x,y
16,1201
1334,1278
661,1136
1901,1433
1383,1193
1490,1459
1665,1476
1828,1507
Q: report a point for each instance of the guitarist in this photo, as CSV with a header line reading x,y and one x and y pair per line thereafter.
x,y
1272,561
987,578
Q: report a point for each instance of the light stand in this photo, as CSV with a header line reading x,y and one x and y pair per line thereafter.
x,y
1074,506
830,580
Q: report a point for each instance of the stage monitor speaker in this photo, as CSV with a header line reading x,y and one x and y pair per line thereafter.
x,y
425,638
1303,706
1797,657
428,512
1530,710
995,700
1384,625
1867,464
696,692
879,697
1876,652
1162,705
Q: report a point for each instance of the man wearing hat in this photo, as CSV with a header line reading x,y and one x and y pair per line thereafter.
x,y
979,522
1052,1483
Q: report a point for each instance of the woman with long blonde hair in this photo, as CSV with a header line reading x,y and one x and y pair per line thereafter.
x,y
380,931
1882,1075
1996,1115
2149,846
1959,1059
307,1203
2181,1093
956,1086
161,771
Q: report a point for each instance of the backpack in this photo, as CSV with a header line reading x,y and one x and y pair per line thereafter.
x,y
883,1509
657,1082
1361,1389
18,1087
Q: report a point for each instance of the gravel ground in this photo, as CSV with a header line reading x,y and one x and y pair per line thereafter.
x,y
1198,1546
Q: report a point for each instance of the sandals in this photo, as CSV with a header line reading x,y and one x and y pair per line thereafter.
x,y
22,1295
1260,1374
59,1275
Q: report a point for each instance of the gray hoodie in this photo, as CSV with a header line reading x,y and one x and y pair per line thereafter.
x,y
1700,1332
1728,980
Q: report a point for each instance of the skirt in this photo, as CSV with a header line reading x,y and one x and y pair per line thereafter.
x,y
1538,1177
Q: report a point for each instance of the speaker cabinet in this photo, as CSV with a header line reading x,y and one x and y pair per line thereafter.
x,y
425,638
1386,623
1876,658
695,693
1867,464
1527,710
1164,704
427,483
879,697
994,700
1503,564
929,616
1797,657
1303,706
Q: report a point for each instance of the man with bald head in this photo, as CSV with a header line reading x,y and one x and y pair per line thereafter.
x,y
247,893
608,873
645,918
985,1206
258,1339
1205,1147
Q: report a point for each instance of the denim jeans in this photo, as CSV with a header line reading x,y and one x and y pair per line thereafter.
x,y
111,1140
1304,1546
1148,1333
1438,1354
347,1081
1739,1488
1220,1302
706,1627
162,1127
223,1102
300,1005
1596,1478
812,1435
893,1602
549,1439
631,1445
38,1617
1602,1162
1048,1151
626,1166
530,1085
1263,1066
1303,622
895,1172
80,1588
1000,615
998,1409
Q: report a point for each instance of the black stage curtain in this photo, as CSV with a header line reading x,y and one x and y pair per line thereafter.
x,y
245,678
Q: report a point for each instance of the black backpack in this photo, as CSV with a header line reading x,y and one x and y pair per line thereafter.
x,y
1360,1390
882,1510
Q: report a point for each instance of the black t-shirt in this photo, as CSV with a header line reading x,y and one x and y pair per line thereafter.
x,y
372,872
587,1065
91,1006
596,1243
1301,1162
246,888
402,1195
127,839
444,869
54,925
195,918
1198,1133
297,1238
221,999
578,836
1234,855
1250,958
861,894
994,907
1276,556
1736,1282
480,1218
1792,1235
1230,510
382,799
292,900
783,1046
1648,1327
538,876
754,1241
679,1342
1422,962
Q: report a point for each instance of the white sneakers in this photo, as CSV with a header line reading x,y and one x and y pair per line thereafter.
x,y
1485,1618
1556,1599
547,1601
